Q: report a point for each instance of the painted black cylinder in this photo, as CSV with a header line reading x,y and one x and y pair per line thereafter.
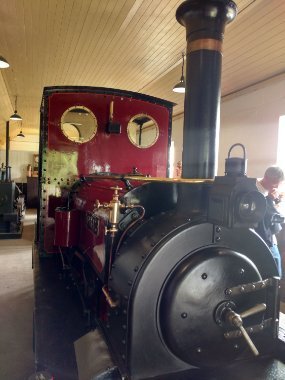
x,y
205,22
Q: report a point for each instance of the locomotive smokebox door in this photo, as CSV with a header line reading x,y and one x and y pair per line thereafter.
x,y
194,304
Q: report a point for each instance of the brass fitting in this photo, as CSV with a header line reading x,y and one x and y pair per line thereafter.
x,y
113,208
108,297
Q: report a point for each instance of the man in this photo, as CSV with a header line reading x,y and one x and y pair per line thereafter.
x,y
270,226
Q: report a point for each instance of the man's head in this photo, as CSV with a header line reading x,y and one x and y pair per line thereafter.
x,y
273,177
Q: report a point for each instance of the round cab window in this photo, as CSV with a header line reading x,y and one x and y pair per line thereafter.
x,y
79,124
143,131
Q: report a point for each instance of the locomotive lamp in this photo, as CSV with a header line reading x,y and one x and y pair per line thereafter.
x,y
234,200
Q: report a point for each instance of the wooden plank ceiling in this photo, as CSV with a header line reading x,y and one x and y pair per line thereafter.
x,y
128,44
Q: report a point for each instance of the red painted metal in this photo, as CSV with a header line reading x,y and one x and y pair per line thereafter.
x,y
67,223
111,152
93,244
105,152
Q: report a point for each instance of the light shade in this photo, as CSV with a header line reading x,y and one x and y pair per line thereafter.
x,y
3,63
15,116
21,134
180,86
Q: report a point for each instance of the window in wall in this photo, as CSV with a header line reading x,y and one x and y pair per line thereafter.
x,y
281,143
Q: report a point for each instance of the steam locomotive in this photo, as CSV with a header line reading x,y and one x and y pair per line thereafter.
x,y
177,280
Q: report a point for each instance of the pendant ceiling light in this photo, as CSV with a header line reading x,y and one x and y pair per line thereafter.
x,y
3,63
180,86
21,134
15,115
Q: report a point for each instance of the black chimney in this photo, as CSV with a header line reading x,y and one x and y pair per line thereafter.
x,y
205,21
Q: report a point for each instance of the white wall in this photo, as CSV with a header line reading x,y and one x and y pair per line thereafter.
x,y
250,117
19,161
177,137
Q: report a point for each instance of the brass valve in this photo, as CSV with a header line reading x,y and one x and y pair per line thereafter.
x,y
109,299
113,207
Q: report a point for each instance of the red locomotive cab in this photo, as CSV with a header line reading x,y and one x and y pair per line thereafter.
x,y
86,134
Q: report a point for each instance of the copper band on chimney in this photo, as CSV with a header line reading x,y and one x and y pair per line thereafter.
x,y
204,44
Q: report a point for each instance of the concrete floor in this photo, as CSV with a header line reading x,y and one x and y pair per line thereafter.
x,y
16,304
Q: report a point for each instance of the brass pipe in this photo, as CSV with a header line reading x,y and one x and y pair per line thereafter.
x,y
152,179
108,297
